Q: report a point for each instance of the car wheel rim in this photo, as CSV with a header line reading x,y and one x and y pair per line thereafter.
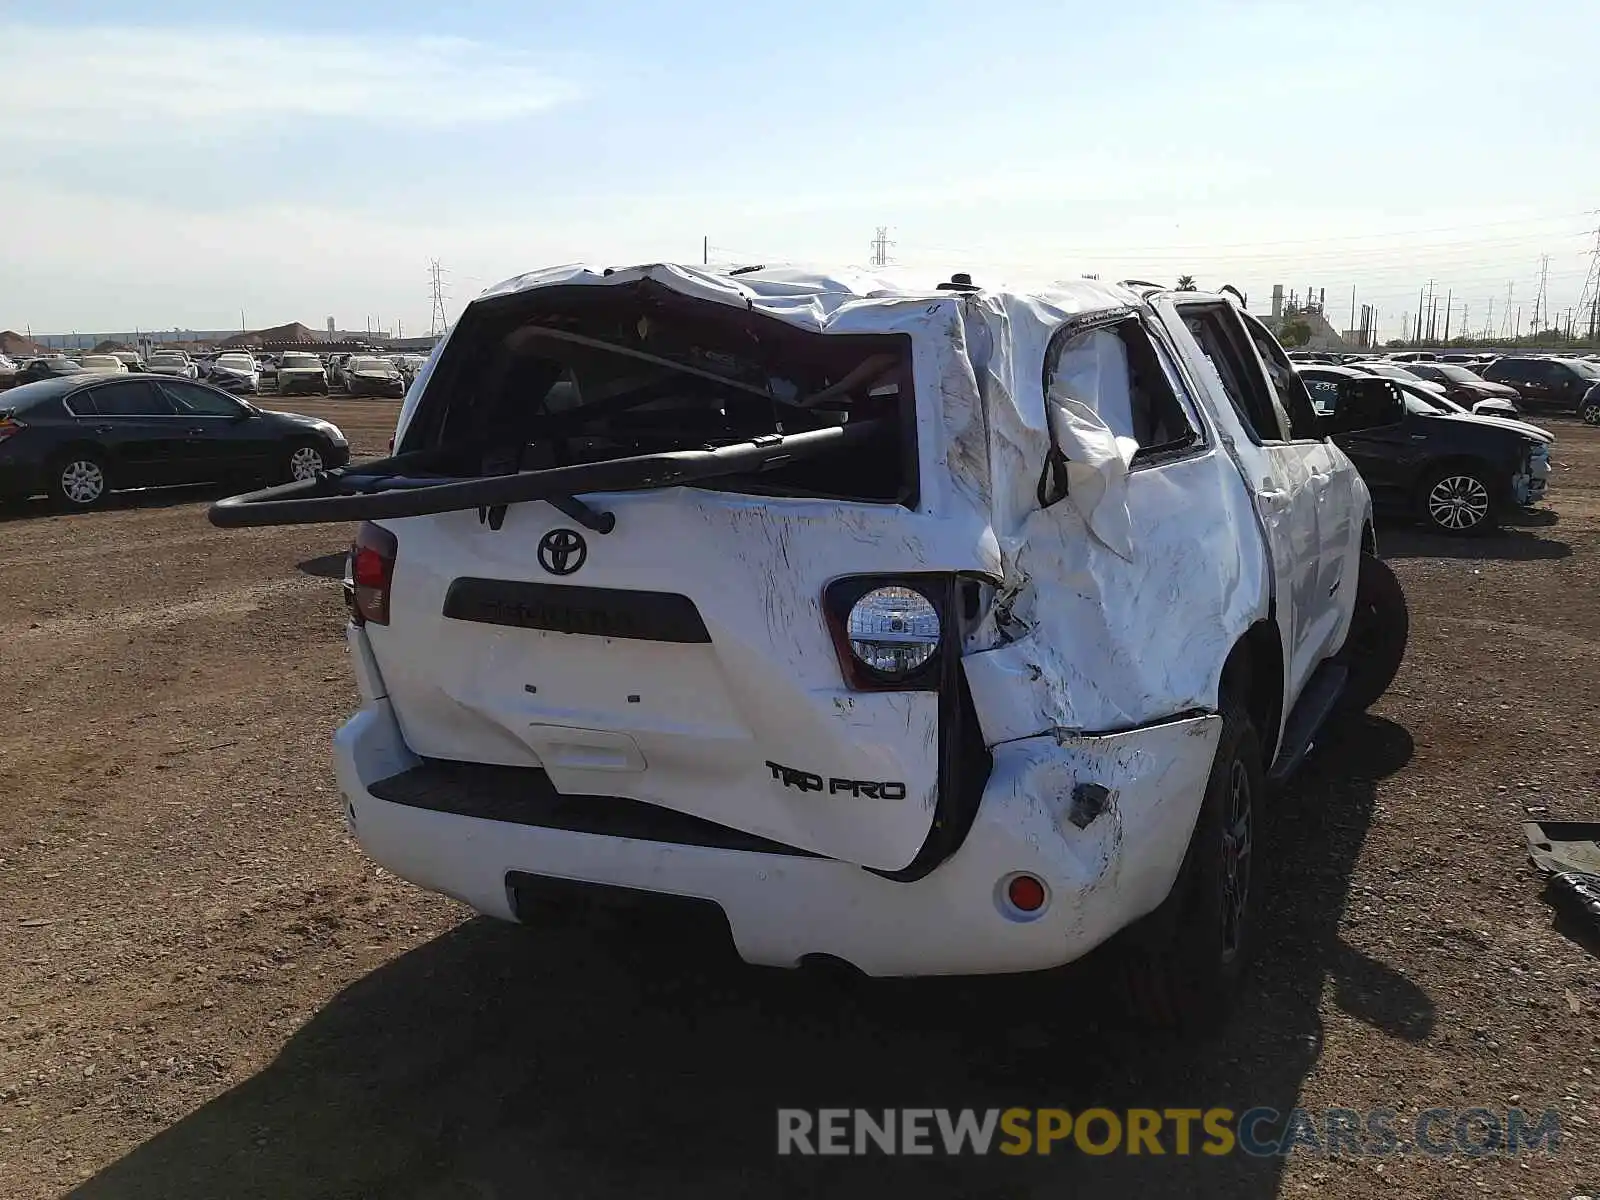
x,y
304,463
1591,415
1236,846
1458,502
82,481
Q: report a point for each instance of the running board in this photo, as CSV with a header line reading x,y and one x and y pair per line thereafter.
x,y
1317,702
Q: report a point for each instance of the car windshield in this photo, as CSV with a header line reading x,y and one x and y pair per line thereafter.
x,y
1456,374
1588,370
61,366
101,360
167,357
372,364
237,361
1416,404
297,361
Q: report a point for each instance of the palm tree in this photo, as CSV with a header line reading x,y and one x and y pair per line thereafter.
x,y
1186,283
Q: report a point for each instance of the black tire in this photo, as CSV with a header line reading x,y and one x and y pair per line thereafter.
x,y
1182,964
72,481
1379,630
296,456
1459,500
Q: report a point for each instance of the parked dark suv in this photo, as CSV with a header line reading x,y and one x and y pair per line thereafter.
x,y
1453,472
81,436
1563,384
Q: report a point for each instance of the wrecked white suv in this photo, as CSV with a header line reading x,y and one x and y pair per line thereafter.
x,y
934,630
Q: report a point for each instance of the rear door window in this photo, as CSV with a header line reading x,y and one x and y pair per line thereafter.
x,y
1116,370
135,398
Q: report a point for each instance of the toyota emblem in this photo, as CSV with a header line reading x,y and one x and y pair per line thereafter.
x,y
562,551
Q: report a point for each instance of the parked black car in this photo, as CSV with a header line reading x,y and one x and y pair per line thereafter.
x,y
1462,384
1563,384
1455,473
48,368
77,438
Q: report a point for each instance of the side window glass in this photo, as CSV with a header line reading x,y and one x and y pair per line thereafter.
x,y
1287,387
191,398
133,399
1222,341
81,404
1116,371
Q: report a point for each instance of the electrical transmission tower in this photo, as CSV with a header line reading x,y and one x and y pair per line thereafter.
x,y
880,247
438,323
1589,302
1505,321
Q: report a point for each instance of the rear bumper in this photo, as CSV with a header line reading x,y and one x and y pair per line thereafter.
x,y
1106,857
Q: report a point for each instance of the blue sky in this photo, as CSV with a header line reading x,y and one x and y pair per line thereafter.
x,y
172,163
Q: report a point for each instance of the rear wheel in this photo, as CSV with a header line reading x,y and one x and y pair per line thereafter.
x,y
1591,414
1183,964
78,480
1459,501
1379,630
303,461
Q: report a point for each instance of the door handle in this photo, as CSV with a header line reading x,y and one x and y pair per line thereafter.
x,y
197,432
1273,498
105,428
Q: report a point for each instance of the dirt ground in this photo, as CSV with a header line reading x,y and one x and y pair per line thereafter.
x,y
209,992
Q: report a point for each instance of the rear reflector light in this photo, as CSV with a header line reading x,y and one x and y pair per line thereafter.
x,y
372,556
1026,893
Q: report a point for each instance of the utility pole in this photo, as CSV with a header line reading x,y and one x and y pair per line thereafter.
x,y
1352,308
1541,301
1449,306
880,247
705,250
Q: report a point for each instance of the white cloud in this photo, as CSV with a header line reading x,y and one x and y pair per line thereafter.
x,y
104,83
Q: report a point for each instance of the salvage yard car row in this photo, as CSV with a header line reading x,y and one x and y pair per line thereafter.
x,y
370,374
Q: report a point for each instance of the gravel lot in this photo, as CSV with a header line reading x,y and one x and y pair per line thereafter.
x,y
209,991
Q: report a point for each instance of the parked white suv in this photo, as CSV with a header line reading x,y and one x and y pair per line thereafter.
x,y
938,630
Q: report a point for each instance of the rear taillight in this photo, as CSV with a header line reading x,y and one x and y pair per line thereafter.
x,y
10,427
889,631
371,574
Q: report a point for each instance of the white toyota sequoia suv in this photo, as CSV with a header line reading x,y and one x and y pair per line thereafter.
x,y
936,630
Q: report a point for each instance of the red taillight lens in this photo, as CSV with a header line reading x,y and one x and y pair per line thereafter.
x,y
10,427
372,557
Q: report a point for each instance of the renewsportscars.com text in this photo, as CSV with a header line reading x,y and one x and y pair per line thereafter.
x,y
1260,1132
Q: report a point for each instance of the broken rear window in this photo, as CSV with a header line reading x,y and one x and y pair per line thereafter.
x,y
567,376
